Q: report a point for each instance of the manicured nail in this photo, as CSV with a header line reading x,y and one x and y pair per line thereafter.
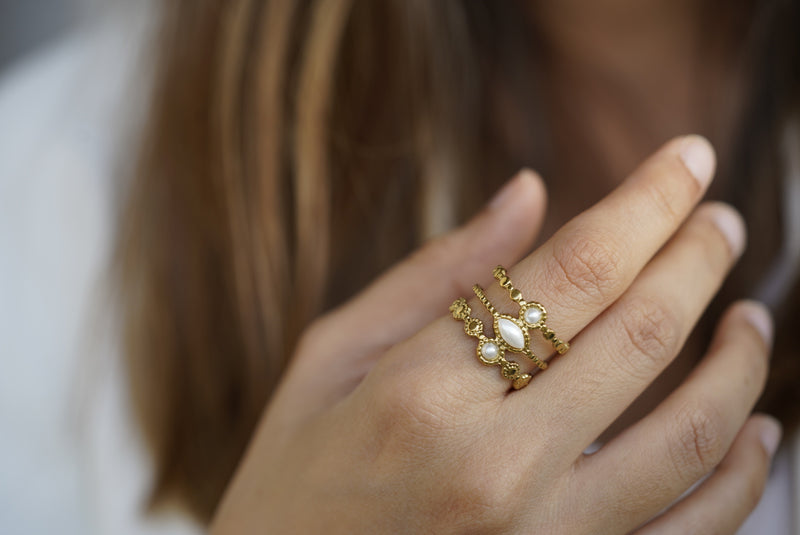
x,y
508,191
759,317
770,434
731,225
698,156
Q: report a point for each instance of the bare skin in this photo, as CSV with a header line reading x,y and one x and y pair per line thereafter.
x,y
400,429
387,423
622,77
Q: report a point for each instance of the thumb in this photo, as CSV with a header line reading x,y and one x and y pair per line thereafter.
x,y
420,288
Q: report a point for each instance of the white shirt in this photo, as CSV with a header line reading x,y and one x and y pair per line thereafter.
x,y
71,457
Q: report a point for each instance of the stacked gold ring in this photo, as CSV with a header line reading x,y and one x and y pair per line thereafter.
x,y
512,334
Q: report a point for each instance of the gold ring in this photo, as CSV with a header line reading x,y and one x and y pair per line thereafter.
x,y
511,334
531,313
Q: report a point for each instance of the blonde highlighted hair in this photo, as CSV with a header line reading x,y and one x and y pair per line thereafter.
x,y
296,149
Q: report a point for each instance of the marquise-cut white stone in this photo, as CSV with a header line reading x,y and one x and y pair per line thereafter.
x,y
511,333
533,315
489,350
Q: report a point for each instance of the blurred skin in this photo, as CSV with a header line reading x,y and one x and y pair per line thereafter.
x,y
402,430
623,76
628,75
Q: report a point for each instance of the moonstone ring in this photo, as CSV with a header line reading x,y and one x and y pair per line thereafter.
x,y
512,334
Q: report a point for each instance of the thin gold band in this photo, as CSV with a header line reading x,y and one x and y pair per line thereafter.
x,y
526,350
511,333
502,277
490,351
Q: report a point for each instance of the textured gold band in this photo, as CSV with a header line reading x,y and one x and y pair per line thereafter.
x,y
511,333
491,352
529,308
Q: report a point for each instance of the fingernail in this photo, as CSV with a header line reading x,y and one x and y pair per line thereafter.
x,y
730,224
759,317
770,435
698,156
507,192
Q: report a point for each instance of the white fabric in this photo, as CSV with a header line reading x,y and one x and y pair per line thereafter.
x,y
75,464
71,461
776,513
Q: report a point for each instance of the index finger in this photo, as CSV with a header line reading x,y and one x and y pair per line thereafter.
x,y
593,259
585,266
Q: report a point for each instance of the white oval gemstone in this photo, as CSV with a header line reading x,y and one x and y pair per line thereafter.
x,y
533,315
511,333
489,350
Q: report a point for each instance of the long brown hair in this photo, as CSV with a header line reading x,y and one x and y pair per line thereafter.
x,y
296,149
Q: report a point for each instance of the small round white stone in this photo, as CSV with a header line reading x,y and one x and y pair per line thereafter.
x,y
533,315
489,350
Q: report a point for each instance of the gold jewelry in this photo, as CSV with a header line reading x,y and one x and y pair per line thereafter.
x,y
531,313
491,352
511,334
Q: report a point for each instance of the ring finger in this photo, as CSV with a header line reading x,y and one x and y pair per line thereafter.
x,y
578,272
627,346
689,432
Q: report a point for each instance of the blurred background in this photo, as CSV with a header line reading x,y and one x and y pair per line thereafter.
x,y
28,24
72,87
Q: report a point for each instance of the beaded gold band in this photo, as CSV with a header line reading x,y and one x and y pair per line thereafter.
x,y
511,334
491,352
531,312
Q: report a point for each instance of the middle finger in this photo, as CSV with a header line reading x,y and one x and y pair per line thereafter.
x,y
579,271
628,345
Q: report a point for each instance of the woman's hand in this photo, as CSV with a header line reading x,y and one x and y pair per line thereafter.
x,y
386,422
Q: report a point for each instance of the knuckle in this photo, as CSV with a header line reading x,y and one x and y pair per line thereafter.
x,y
651,334
697,445
589,265
480,499
483,505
